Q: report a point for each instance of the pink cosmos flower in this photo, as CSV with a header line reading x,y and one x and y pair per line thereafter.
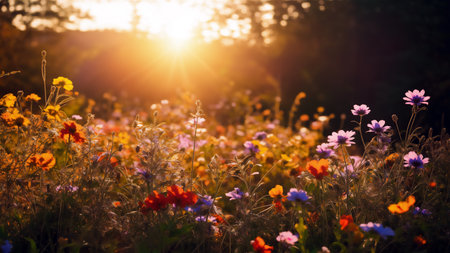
x,y
324,150
378,127
287,237
413,160
360,110
416,98
341,138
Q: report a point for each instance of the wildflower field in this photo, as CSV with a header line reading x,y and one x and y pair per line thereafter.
x,y
174,177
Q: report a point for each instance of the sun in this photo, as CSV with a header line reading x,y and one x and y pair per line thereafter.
x,y
176,21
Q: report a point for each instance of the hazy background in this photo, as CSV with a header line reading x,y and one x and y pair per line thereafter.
x,y
339,52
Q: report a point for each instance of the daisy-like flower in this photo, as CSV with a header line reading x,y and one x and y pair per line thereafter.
x,y
287,237
32,97
378,127
297,195
73,131
416,98
402,206
360,110
236,194
8,100
324,150
45,161
52,112
416,161
377,227
63,82
341,138
318,168
251,147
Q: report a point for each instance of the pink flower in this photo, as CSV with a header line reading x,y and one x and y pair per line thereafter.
x,y
378,127
287,237
341,138
414,160
360,110
416,98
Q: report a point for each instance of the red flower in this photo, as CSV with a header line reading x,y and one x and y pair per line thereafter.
x,y
345,221
154,201
72,131
419,240
260,246
180,198
318,168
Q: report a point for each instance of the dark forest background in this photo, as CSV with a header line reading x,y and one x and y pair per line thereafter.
x,y
353,52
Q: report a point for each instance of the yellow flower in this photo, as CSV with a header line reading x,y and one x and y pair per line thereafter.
x,y
8,100
14,118
402,206
276,192
286,158
52,112
63,82
32,97
45,161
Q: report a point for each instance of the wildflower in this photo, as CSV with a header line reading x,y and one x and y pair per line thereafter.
x,y
260,246
68,188
287,238
63,82
324,250
32,97
236,194
419,240
8,100
424,211
154,201
52,112
345,221
377,227
318,168
416,98
341,138
432,184
360,110
414,160
260,136
176,195
276,192
145,174
77,117
45,161
402,206
391,159
286,158
249,146
6,247
297,195
378,127
113,162
14,119
72,131
203,202
116,203
324,150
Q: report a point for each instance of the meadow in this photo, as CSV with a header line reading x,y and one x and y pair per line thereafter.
x,y
176,177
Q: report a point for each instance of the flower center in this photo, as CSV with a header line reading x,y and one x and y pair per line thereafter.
x,y
416,100
341,139
417,163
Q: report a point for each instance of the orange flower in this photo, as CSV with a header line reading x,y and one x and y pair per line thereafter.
x,y
402,206
116,203
318,168
14,119
345,221
112,161
260,246
45,161
73,131
32,97
433,184
176,195
276,192
419,240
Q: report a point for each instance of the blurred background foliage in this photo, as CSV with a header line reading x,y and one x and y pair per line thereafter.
x,y
339,52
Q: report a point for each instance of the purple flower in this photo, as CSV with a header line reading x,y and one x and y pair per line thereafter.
x,y
249,146
297,195
341,138
360,110
378,127
77,117
260,136
68,188
424,211
203,219
6,247
145,174
414,160
377,227
416,98
324,150
287,237
236,194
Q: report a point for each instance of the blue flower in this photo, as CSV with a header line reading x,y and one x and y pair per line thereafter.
x,y
377,227
236,194
260,136
424,211
297,195
6,247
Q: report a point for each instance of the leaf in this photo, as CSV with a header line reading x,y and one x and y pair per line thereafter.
x,y
33,248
